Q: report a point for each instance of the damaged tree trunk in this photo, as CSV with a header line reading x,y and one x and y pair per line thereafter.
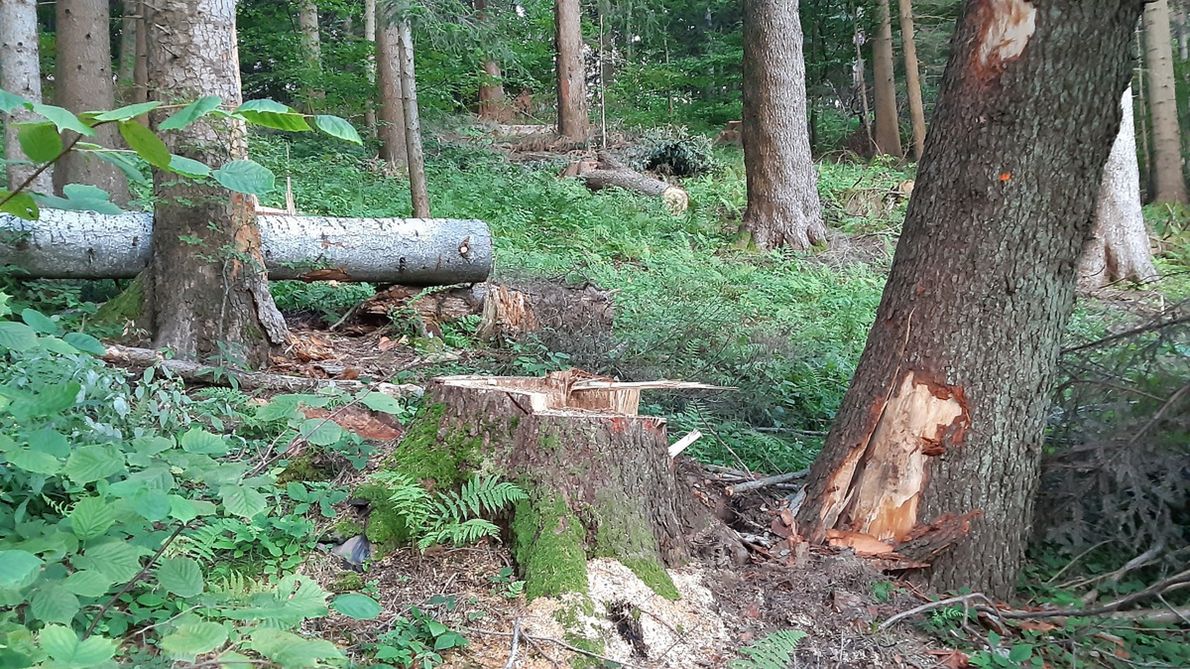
x,y
936,449
607,172
87,245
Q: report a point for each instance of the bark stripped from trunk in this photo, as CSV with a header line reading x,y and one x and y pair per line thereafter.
x,y
573,123
311,49
888,130
20,74
392,115
419,196
1119,247
936,449
86,245
917,112
83,82
207,293
1168,182
783,207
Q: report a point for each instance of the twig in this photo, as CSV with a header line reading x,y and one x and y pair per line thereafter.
x,y
557,642
516,642
765,482
930,606
1113,577
1076,559
1167,616
541,651
132,581
36,173
1157,325
1181,613
1158,588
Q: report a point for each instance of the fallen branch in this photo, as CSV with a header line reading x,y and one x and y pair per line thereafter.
x,y
1167,616
607,172
930,606
516,642
140,358
558,642
765,482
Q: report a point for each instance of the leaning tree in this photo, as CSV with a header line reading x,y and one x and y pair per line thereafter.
x,y
936,449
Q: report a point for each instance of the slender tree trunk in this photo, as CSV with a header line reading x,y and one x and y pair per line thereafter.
x,y
859,79
417,165
20,74
370,66
1168,182
492,104
140,70
391,129
1119,247
888,131
83,82
936,449
127,60
206,291
1142,109
1179,19
917,111
783,207
311,51
572,81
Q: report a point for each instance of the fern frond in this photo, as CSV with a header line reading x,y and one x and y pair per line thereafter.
x,y
459,534
772,651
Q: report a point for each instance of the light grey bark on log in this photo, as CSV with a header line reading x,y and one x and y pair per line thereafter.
x,y
87,245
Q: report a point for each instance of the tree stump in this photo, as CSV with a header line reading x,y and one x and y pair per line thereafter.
x,y
599,476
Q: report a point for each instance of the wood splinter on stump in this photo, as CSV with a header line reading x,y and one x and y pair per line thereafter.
x,y
600,479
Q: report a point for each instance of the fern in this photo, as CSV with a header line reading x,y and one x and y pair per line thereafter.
x,y
450,517
773,651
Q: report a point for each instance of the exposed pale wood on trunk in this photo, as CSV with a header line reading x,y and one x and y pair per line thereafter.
x,y
783,207
1169,184
20,74
573,121
83,82
938,442
416,161
888,131
75,244
917,112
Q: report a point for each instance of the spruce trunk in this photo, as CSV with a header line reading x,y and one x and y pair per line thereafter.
x,y
419,195
917,110
392,115
573,123
1169,186
937,446
20,74
888,130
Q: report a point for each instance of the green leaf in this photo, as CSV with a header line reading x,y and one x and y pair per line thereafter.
x,y
21,205
17,336
85,343
34,461
10,102
193,639
53,603
182,509
152,505
62,118
200,441
180,576
127,163
1020,652
126,112
436,628
321,432
381,402
91,517
87,583
264,105
246,176
242,501
188,168
146,144
18,569
80,197
191,113
65,647
337,127
39,141
291,122
117,560
290,650
41,323
356,606
92,463
48,401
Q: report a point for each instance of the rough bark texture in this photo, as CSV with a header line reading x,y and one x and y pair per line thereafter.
x,y
370,65
140,70
1119,246
418,193
1168,182
392,115
783,207
888,131
86,245
127,57
917,110
493,105
941,428
83,82
207,292
20,73
311,49
573,122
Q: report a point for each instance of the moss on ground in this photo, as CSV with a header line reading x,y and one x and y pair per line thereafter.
x,y
549,547
304,467
347,582
386,528
623,535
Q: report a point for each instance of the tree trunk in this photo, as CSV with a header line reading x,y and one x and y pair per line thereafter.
x,y
311,41
572,80
20,74
392,114
783,207
859,80
86,245
937,446
206,291
419,196
888,131
1142,109
140,70
1119,247
492,104
1168,182
606,172
83,82
917,111
1181,34
127,62
370,65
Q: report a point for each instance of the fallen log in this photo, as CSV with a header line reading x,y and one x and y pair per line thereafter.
x,y
142,358
607,172
412,251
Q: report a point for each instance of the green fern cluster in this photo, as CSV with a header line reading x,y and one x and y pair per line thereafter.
x,y
451,517
773,651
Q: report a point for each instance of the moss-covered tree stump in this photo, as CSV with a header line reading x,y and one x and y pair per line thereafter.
x,y
599,476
